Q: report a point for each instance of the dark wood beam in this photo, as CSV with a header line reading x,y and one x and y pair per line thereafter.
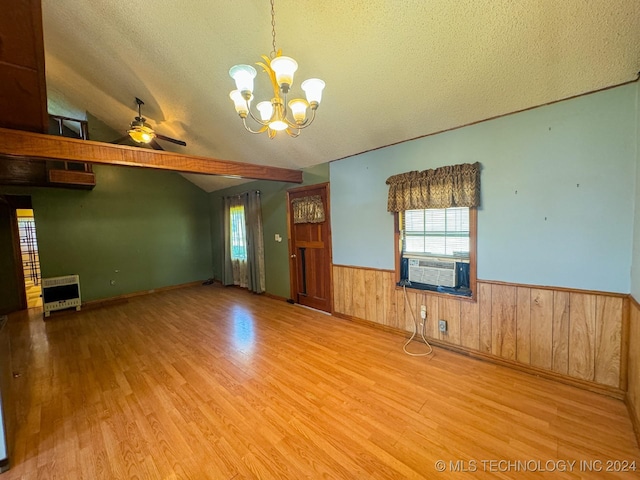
x,y
27,145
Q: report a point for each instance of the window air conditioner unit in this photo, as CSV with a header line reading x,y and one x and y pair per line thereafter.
x,y
59,293
433,272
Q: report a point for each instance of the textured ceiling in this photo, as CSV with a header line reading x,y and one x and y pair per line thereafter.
x,y
394,70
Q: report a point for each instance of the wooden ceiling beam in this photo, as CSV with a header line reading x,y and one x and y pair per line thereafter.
x,y
19,144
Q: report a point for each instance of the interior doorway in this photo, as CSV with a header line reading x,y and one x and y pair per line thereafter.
x,y
310,246
29,257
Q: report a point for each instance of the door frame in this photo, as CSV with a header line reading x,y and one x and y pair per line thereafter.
x,y
292,270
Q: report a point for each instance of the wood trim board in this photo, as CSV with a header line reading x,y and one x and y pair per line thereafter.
x,y
27,145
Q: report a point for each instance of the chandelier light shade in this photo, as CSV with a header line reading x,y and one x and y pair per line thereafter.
x,y
278,114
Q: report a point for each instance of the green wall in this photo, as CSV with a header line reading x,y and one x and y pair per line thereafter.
x,y
9,288
273,196
142,229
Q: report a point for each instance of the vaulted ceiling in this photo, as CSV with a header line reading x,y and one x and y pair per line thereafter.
x,y
394,70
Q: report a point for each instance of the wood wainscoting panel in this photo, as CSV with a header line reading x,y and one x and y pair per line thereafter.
x,y
449,310
561,331
397,318
523,330
469,325
582,336
503,321
389,286
347,285
542,328
370,294
406,306
633,388
338,289
576,334
484,304
401,305
359,289
389,299
608,353
381,296
413,315
433,314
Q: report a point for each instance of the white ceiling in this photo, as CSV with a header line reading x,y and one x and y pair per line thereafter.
x,y
394,70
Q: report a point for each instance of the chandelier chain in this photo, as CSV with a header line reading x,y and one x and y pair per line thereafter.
x,y
273,29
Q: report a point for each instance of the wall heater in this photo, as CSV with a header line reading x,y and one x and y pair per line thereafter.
x,y
59,293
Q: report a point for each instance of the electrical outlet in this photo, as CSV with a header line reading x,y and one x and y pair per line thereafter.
x,y
442,325
423,311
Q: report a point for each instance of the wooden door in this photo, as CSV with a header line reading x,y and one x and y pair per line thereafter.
x,y
310,252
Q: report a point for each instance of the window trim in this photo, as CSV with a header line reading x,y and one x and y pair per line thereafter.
x,y
473,234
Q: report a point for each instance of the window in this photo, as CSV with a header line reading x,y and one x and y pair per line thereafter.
x,y
238,233
440,232
436,249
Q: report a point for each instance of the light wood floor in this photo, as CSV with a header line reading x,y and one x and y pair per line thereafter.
x,y
208,382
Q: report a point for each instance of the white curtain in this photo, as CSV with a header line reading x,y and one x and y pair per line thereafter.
x,y
243,242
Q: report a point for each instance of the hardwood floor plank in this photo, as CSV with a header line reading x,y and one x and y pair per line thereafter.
x,y
213,382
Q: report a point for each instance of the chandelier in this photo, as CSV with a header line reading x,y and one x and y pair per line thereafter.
x,y
274,114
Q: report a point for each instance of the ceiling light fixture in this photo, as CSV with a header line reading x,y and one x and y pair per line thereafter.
x,y
140,131
274,114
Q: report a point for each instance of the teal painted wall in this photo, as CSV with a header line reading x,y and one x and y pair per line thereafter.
x,y
635,267
142,228
273,196
551,232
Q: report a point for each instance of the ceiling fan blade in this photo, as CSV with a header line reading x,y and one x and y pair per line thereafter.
x,y
155,145
172,140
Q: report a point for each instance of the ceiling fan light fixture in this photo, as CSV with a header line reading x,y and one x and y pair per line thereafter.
x,y
273,116
141,133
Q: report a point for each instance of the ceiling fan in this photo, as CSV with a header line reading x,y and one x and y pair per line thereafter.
x,y
141,132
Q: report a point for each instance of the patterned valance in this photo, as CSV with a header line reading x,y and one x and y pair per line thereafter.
x,y
308,209
444,187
